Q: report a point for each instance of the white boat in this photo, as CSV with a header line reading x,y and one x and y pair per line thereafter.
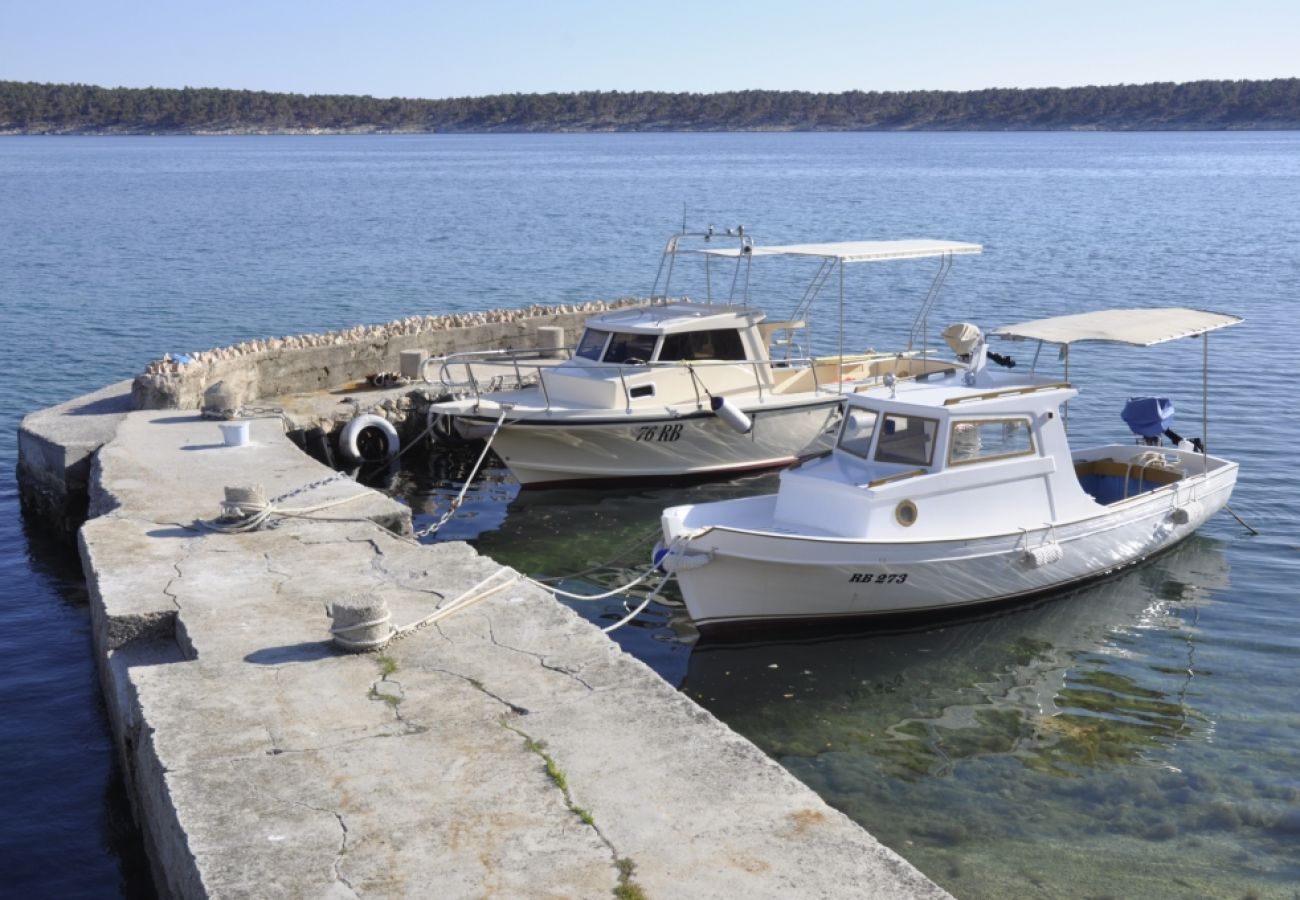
x,y
680,388
950,492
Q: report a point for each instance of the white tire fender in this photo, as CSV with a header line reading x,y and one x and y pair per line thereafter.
x,y
350,439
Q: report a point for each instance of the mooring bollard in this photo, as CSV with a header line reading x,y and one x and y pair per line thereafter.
x,y
360,623
550,338
410,363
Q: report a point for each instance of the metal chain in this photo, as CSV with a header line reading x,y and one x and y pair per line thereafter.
x,y
243,412
321,482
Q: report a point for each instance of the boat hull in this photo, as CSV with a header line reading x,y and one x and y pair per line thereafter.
x,y
731,576
543,450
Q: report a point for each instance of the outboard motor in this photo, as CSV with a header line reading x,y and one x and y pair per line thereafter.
x,y
1150,417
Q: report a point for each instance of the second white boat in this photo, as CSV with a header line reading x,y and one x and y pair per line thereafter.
x,y
953,492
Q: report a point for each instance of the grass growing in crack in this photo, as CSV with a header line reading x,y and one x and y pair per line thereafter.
x,y
387,665
627,888
391,699
557,775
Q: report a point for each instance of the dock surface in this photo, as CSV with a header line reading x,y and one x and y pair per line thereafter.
x,y
508,750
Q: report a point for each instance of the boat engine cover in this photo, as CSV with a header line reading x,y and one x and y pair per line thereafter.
x,y
1148,416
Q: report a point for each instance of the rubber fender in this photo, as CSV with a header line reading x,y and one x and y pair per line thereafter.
x,y
369,439
725,410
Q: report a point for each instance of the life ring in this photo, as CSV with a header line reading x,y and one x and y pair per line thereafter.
x,y
369,439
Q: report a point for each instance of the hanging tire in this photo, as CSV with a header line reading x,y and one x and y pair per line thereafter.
x,y
369,439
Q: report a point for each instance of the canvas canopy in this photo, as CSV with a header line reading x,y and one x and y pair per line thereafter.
x,y
1138,327
858,251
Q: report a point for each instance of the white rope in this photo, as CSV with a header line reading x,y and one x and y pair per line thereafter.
x,y
675,547
465,600
605,596
341,632
644,603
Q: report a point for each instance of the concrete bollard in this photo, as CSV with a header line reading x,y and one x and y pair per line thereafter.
x,y
550,338
220,402
411,361
360,623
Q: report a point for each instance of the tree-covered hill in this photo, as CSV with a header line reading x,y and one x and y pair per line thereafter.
x,y
27,107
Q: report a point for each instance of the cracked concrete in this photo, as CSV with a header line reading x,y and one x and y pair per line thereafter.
x,y
264,763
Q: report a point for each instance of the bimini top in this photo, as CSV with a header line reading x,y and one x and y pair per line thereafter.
x,y
857,251
1139,327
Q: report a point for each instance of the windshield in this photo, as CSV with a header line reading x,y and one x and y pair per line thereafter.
x,y
630,348
859,426
907,439
592,343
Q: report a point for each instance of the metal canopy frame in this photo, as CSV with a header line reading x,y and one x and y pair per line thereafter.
x,y
674,248
836,254
1132,327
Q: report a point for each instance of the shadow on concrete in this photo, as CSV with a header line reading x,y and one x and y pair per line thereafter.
x,y
179,420
104,406
176,531
219,446
308,651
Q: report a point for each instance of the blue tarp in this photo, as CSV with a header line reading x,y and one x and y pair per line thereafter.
x,y
1148,416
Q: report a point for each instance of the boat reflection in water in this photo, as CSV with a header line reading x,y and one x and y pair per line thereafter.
x,y
1029,681
974,745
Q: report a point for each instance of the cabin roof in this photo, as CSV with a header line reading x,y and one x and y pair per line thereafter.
x,y
675,317
1017,395
1137,327
857,251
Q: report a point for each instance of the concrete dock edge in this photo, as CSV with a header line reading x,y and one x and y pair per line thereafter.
x,y
510,749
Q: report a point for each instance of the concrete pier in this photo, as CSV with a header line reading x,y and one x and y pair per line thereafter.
x,y
509,749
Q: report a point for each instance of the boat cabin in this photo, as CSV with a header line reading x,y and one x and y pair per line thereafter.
x,y
677,332
932,461
666,354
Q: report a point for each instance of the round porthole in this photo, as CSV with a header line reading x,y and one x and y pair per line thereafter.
x,y
905,513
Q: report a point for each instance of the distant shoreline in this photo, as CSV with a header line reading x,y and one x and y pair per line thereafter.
x,y
28,108
345,132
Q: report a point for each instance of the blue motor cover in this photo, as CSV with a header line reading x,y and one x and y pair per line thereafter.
x,y
1148,416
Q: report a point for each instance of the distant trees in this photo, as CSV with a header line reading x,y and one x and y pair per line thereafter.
x,y
44,108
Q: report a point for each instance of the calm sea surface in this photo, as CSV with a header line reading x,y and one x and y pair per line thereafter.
x,y
1138,738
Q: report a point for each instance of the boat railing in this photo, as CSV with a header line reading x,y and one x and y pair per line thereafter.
x,y
497,358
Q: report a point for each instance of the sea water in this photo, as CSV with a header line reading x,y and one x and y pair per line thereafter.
x,y
1136,738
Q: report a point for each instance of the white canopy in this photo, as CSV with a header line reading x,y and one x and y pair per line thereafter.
x,y
1139,327
859,251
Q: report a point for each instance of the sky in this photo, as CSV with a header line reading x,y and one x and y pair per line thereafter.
x,y
437,49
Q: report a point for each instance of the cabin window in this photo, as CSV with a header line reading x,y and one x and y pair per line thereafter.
x,y
859,426
630,348
977,440
724,344
907,439
592,343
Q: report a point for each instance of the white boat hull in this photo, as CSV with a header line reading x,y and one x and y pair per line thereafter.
x,y
733,575
542,450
